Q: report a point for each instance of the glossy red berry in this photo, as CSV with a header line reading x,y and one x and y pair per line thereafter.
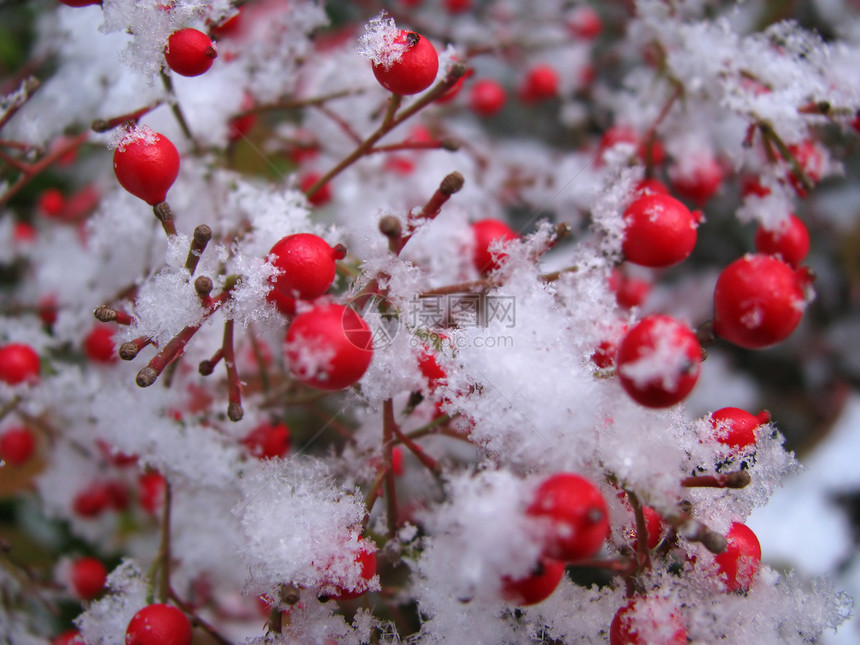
x,y
430,368
19,363
539,84
416,69
758,301
93,500
158,625
658,361
487,233
268,440
366,560
151,489
584,22
329,347
790,240
51,202
651,187
648,621
487,97
536,586
740,561
70,637
322,196
574,515
189,52
659,231
629,291
88,577
17,445
99,345
306,269
735,427
698,179
146,164
80,3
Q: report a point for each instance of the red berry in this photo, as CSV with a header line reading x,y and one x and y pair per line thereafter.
x,y
99,345
397,460
88,577
659,231
658,361
575,516
487,97
151,488
629,291
51,202
648,621
17,445
430,368
697,180
306,265
416,69
92,501
535,587
189,52
758,301
322,196
80,3
457,6
653,525
329,347
811,162
740,561
604,355
651,187
47,308
486,232
114,456
158,625
70,637
540,84
268,440
736,427
19,364
146,164
790,240
366,560
583,22
24,233
648,151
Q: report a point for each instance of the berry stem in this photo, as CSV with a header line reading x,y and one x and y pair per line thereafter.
x,y
771,137
391,228
427,461
23,94
388,430
443,144
737,479
202,235
643,554
30,170
234,386
129,351
389,122
175,108
9,406
695,531
106,314
164,550
104,125
206,367
196,620
298,103
164,214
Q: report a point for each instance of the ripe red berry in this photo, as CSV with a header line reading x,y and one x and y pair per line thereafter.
x,y
486,232
659,231
583,22
322,196
539,84
629,291
268,440
735,427
189,52
92,501
536,586
790,240
430,368
306,265
698,179
758,301
457,6
70,637
329,347
416,69
649,151
151,488
740,561
366,560
51,202
158,625
648,621
487,97
146,164
651,187
653,525
88,577
17,445
80,3
574,514
658,361
19,363
99,345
